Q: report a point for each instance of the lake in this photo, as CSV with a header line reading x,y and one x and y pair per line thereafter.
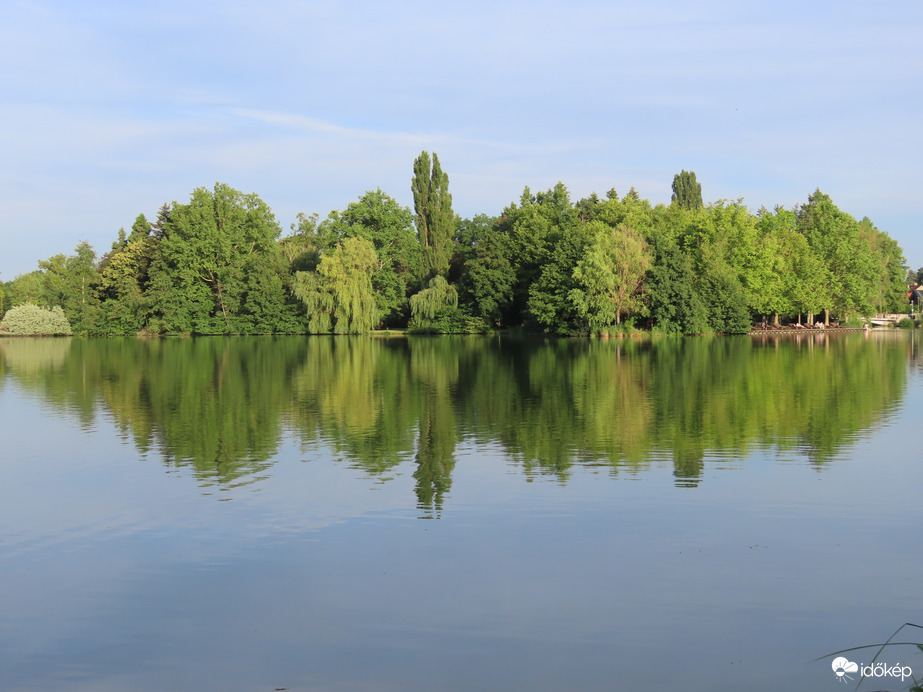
x,y
458,513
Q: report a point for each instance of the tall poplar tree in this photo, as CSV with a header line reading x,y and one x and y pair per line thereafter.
x,y
687,191
434,218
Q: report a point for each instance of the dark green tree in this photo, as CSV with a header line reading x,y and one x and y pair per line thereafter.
x,y
675,302
302,249
544,248
687,192
218,268
488,273
435,219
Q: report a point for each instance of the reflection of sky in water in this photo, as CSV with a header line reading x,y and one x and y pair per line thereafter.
x,y
117,575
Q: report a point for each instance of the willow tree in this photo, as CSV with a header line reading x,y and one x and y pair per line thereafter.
x,y
429,302
610,275
434,217
338,296
378,218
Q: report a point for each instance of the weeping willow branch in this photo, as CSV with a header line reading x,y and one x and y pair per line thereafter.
x,y
338,296
427,303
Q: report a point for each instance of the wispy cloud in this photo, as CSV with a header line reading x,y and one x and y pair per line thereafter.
x,y
313,125
113,108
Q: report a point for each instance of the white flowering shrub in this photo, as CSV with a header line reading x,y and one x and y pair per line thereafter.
x,y
31,320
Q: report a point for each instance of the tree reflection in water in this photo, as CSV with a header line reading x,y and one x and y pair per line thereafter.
x,y
221,406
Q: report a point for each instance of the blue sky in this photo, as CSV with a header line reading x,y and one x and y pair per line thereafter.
x,y
110,109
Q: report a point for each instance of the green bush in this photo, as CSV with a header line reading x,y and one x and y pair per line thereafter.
x,y
31,320
448,320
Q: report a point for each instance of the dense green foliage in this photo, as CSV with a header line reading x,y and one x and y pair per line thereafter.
x,y
339,296
687,191
429,302
218,264
435,220
378,218
610,275
217,267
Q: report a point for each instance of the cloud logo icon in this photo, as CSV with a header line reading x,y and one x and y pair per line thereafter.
x,y
841,666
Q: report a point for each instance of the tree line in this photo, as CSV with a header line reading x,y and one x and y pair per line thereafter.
x,y
220,264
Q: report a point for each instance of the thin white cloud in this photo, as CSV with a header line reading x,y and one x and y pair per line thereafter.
x,y
313,125
113,109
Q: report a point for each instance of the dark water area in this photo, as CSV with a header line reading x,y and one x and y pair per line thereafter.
x,y
458,513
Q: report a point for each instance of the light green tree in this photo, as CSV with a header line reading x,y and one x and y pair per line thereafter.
x,y
377,217
808,285
122,280
439,296
610,275
849,263
27,288
339,296
889,291
69,281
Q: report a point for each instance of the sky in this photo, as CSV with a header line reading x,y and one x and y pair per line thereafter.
x,y
111,109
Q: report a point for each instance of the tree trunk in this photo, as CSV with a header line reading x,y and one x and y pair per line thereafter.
x,y
224,312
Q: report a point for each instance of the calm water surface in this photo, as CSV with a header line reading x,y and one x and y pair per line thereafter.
x,y
457,513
